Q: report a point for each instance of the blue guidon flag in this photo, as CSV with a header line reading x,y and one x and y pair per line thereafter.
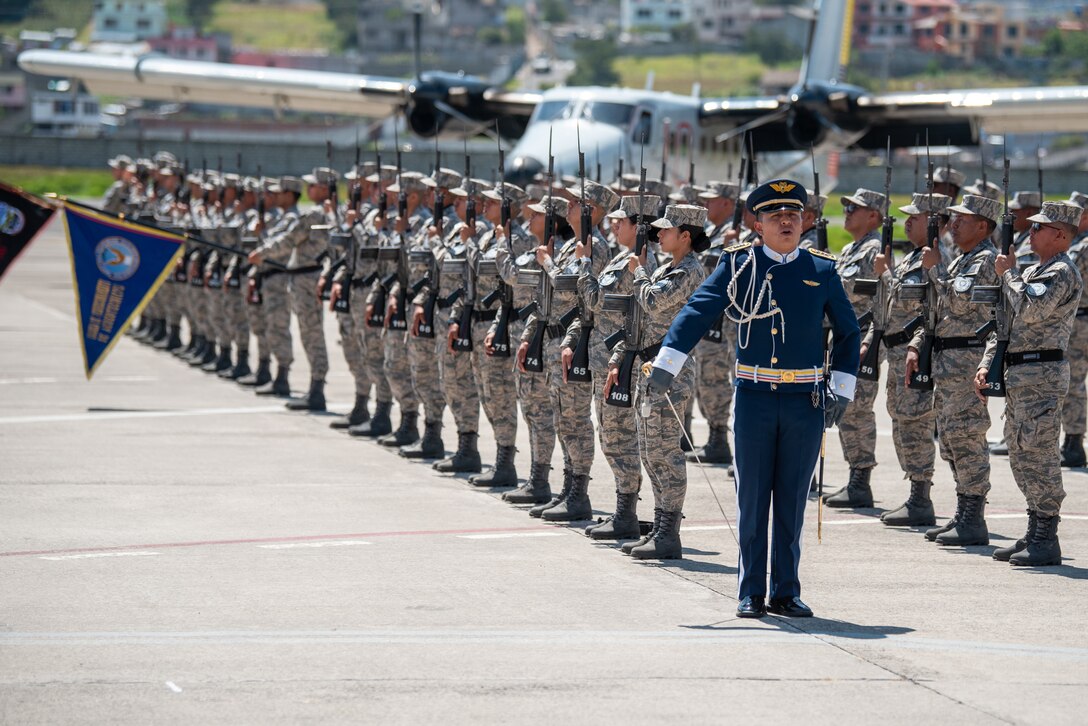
x,y
22,216
117,267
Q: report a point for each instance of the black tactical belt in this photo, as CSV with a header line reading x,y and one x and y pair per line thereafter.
x,y
1034,356
484,316
893,339
305,270
967,341
1081,312
555,331
357,283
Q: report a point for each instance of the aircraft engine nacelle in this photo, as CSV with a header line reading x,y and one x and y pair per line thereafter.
x,y
424,119
805,128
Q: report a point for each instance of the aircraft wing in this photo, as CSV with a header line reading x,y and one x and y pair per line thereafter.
x,y
435,97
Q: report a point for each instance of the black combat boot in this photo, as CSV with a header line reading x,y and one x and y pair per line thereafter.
x,y
568,477
1000,448
626,547
685,435
1002,554
1043,549
931,534
576,506
971,529
857,494
359,414
314,400
716,450
430,446
378,425
917,511
188,348
208,355
141,331
194,349
623,524
221,363
1073,451
279,386
407,433
171,341
159,332
261,376
240,368
665,544
536,490
466,460
504,473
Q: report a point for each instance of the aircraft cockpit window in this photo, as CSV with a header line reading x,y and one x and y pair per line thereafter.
x,y
614,114
643,130
554,110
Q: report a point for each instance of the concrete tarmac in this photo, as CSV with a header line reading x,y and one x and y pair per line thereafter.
x,y
174,549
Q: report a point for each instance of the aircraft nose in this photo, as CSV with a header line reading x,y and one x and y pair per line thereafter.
x,y
522,169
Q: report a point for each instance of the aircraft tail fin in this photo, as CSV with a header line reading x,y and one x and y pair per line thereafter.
x,y
828,51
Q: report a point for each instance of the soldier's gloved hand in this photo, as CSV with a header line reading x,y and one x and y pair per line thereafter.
x,y
834,408
659,380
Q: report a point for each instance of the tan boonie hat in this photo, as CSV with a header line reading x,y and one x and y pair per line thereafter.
x,y
1026,200
629,206
410,181
362,171
536,192
598,195
164,158
927,204
978,206
251,184
1080,199
445,178
715,189
321,175
659,188
514,193
120,161
677,215
1058,213
290,184
474,187
688,193
559,205
815,203
232,180
983,189
947,175
866,198
388,175
631,181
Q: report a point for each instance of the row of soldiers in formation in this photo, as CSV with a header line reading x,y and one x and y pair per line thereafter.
x,y
462,310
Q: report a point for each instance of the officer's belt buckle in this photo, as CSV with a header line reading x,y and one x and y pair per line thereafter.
x,y
787,377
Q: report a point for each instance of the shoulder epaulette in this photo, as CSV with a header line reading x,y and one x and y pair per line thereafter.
x,y
737,247
822,253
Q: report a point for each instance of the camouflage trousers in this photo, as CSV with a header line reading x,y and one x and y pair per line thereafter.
x,y
619,437
913,418
962,420
1076,402
1033,405
398,370
426,376
714,379
237,323
659,439
370,341
277,319
307,308
158,304
535,399
255,316
352,346
216,308
496,386
572,402
857,429
459,386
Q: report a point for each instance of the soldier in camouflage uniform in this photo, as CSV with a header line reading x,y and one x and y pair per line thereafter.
x,y
237,220
661,295
282,194
962,420
1043,301
716,353
618,430
857,430
813,208
948,181
534,393
114,199
1073,410
911,410
262,216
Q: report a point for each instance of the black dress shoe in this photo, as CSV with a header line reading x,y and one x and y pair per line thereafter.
x,y
789,607
752,606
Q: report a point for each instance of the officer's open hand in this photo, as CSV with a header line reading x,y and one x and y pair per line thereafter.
x,y
980,383
567,356
911,367
612,379
451,336
522,354
489,343
334,295
417,319
931,257
834,409
659,380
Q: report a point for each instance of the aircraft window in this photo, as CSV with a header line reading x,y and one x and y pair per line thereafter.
x,y
615,114
552,110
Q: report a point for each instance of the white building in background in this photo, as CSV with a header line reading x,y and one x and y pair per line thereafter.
x,y
128,21
654,14
64,112
722,21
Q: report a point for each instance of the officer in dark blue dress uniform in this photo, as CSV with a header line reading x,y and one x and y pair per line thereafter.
x,y
778,295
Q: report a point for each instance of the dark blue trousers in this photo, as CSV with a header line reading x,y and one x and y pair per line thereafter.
x,y
777,446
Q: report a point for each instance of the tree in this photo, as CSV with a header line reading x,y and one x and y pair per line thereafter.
x,y
555,11
200,12
594,63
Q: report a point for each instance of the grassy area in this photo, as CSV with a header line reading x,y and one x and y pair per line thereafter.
x,y
67,182
275,26
52,14
721,74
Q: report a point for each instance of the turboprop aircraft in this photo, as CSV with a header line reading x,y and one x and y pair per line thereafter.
x,y
819,112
